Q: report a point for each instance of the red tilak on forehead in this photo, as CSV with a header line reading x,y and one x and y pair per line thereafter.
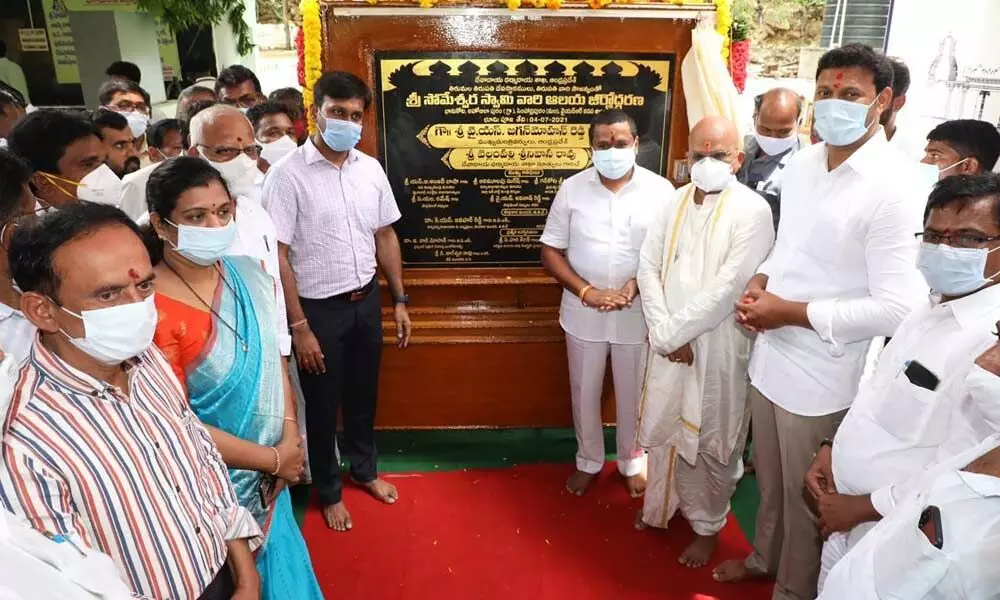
x,y
840,74
708,145
133,274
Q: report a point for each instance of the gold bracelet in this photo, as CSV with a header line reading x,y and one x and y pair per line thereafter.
x,y
277,461
583,293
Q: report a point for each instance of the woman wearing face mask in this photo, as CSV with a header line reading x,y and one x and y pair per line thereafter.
x,y
214,327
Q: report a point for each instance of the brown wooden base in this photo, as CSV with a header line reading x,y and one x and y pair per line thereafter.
x,y
486,351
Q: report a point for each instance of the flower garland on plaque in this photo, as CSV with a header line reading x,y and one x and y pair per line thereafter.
x,y
312,54
310,50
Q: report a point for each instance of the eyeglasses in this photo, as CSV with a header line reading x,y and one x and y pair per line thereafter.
x,y
129,106
957,240
225,154
720,155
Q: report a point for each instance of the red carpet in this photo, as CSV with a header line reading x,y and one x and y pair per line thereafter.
x,y
511,534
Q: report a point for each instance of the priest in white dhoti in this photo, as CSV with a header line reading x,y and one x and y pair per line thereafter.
x,y
590,245
699,253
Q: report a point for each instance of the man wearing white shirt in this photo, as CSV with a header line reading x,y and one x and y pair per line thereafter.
x,y
16,203
940,539
961,147
842,272
921,407
591,244
904,140
223,136
701,249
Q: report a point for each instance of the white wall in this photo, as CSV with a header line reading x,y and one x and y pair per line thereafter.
x,y
137,44
916,29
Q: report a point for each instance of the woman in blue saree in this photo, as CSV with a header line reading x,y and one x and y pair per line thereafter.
x,y
217,327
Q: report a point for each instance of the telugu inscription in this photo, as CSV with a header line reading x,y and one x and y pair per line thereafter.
x,y
476,145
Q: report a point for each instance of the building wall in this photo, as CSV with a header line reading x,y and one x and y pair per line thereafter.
x,y
916,34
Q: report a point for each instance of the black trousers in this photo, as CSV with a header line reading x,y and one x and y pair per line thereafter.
x,y
222,587
350,335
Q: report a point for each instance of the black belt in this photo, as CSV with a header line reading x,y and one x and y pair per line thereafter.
x,y
356,295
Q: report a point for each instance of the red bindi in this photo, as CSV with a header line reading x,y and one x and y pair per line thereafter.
x,y
840,75
133,274
708,145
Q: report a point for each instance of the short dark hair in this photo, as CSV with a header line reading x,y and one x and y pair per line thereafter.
x,y
104,118
963,190
341,85
166,184
611,116
189,91
234,75
10,97
109,89
861,56
260,111
122,68
41,137
288,95
32,247
156,136
970,137
900,77
13,175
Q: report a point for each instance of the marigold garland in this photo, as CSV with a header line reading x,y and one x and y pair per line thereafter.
x,y
312,53
311,48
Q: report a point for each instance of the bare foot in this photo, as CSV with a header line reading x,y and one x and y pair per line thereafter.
x,y
578,482
735,571
336,516
699,552
639,524
636,485
382,490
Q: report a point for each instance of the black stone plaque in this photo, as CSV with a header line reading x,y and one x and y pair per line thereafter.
x,y
476,144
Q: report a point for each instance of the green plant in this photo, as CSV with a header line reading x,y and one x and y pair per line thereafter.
x,y
740,30
180,15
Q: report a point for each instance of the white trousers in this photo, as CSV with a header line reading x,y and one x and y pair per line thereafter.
x,y
701,492
837,546
587,362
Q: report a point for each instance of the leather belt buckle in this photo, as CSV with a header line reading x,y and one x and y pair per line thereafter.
x,y
357,296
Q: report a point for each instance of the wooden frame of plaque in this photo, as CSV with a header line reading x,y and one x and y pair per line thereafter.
x,y
475,155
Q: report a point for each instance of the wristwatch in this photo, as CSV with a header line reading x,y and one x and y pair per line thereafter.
x,y
404,299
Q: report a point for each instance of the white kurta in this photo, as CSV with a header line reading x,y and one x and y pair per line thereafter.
x,y
713,251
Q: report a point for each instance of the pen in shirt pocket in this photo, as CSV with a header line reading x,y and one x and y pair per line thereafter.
x,y
266,245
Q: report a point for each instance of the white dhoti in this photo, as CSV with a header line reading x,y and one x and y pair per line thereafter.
x,y
587,362
701,492
694,264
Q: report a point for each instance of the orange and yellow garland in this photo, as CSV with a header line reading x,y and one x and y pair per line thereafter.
x,y
312,56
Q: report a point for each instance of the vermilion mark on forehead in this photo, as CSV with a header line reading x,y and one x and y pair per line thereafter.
x,y
708,145
133,274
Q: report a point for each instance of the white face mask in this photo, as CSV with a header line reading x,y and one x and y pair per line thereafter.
x,y
101,186
274,151
711,175
775,146
137,122
204,245
239,173
115,334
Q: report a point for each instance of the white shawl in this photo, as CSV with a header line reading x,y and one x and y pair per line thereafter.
x,y
699,407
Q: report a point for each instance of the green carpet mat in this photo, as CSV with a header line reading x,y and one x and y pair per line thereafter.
x,y
450,449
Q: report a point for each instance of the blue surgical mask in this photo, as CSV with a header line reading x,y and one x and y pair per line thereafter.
x,y
841,123
339,135
204,245
614,163
954,271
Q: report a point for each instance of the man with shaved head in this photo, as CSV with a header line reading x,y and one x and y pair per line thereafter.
x,y
773,143
700,252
